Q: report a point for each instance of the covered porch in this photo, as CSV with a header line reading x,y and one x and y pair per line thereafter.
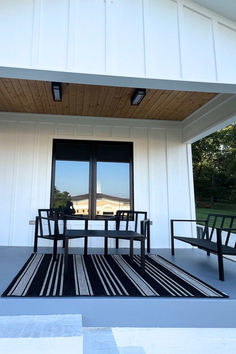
x,y
161,128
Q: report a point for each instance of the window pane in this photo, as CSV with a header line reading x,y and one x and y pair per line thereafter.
x,y
72,184
113,187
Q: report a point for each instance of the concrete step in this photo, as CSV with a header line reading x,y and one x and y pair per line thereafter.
x,y
41,334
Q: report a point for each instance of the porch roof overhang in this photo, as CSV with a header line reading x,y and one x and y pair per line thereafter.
x,y
198,107
31,96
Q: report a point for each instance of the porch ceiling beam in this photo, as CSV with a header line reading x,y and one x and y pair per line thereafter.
x,y
118,81
216,114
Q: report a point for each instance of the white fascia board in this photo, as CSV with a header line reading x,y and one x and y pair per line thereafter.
x,y
216,114
119,81
110,121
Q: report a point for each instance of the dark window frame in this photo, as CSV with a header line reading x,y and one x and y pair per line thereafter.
x,y
93,146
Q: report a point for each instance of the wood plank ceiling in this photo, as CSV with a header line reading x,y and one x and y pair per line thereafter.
x,y
30,96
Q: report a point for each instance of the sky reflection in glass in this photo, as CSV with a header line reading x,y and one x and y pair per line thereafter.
x,y
72,177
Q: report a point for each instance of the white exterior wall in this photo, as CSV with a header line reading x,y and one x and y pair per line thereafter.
x,y
162,170
161,39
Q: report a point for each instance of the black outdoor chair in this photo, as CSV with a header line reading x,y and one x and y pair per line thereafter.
x,y
135,221
47,227
50,225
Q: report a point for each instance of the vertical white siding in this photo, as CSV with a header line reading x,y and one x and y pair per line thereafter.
x,y
162,39
167,39
124,38
16,21
226,52
53,34
161,183
197,46
87,36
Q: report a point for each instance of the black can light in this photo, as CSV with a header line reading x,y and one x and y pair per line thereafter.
x,y
137,97
56,91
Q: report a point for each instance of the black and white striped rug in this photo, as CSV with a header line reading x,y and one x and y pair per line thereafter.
x,y
112,275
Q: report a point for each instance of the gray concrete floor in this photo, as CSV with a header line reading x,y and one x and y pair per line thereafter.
x,y
129,312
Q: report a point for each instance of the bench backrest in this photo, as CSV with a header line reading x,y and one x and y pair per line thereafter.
x,y
132,219
219,221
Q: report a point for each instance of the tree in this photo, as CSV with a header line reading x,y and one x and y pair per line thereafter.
x,y
61,198
214,166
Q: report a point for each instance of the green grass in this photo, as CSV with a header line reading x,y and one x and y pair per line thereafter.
x,y
225,209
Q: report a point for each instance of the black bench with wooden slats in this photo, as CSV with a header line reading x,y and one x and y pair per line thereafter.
x,y
211,239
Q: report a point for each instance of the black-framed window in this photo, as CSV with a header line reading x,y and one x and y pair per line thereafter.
x,y
96,176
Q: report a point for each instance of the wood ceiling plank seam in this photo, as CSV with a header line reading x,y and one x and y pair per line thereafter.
x,y
72,100
100,101
45,109
189,103
26,94
125,108
22,100
165,104
188,109
169,109
10,86
93,102
119,100
106,108
66,99
33,90
5,103
154,108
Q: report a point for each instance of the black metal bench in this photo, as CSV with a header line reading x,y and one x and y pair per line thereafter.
x,y
212,239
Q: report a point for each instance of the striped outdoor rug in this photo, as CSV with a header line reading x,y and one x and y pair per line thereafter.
x,y
112,275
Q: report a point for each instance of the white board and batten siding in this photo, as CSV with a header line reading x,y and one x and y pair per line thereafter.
x,y
160,39
162,181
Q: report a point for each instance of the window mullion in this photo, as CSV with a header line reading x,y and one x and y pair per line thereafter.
x,y
93,181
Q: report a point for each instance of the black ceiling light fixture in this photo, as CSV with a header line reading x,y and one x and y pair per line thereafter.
x,y
137,97
56,91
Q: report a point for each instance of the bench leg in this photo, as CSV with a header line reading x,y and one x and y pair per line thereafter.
x,y
86,246
172,238
221,266
220,255
66,241
106,246
208,253
54,250
148,237
35,244
117,243
143,256
131,251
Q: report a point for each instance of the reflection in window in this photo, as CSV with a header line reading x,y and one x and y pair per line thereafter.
x,y
72,184
96,176
113,187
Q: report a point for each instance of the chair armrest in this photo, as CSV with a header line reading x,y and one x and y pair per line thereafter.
x,y
143,226
45,218
187,220
182,220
